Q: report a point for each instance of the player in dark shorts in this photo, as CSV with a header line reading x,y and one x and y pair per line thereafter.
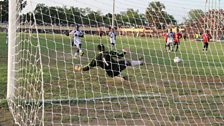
x,y
106,60
177,37
206,38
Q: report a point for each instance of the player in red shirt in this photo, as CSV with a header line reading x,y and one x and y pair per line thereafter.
x,y
206,38
165,36
177,37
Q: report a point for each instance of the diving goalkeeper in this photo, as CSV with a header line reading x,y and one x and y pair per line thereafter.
x,y
107,61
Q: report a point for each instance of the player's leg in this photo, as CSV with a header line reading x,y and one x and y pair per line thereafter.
x,y
134,62
124,63
77,49
177,46
169,47
165,45
112,45
73,42
174,45
116,69
80,50
206,46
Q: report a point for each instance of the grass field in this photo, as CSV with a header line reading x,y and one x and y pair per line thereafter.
x,y
160,92
5,116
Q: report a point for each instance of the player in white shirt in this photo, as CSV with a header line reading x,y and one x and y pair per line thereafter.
x,y
77,40
112,37
170,39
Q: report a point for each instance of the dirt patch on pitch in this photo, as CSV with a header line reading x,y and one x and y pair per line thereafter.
x,y
6,118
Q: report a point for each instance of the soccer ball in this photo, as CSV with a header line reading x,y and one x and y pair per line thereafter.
x,y
177,60
77,68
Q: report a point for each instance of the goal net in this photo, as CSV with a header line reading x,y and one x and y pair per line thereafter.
x,y
163,62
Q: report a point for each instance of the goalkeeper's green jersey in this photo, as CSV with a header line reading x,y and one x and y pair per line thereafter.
x,y
106,60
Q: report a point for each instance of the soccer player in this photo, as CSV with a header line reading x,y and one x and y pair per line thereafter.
x,y
165,37
112,37
170,39
206,38
177,37
100,33
77,41
184,35
107,61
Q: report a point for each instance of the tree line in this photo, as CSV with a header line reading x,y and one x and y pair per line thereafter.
x,y
155,15
62,15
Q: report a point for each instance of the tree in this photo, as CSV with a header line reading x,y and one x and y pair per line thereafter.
x,y
44,14
132,17
5,7
94,17
157,16
195,14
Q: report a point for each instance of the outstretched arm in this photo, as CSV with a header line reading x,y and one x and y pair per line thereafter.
x,y
72,32
90,65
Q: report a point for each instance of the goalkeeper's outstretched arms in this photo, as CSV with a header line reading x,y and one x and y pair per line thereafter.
x,y
87,67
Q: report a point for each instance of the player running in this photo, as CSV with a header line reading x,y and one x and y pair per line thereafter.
x,y
206,38
177,37
107,61
170,40
77,41
112,37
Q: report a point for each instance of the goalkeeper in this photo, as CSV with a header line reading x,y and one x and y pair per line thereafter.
x,y
106,60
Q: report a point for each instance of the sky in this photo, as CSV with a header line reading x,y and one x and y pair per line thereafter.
x,y
177,8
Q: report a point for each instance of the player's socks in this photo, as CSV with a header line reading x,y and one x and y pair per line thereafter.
x,y
81,53
136,62
75,55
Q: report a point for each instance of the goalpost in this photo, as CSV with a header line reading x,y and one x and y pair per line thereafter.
x,y
11,50
179,87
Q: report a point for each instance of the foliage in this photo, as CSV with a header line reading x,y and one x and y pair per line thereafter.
x,y
5,7
61,15
156,15
45,15
195,14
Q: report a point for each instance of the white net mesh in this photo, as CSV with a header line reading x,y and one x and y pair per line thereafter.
x,y
159,86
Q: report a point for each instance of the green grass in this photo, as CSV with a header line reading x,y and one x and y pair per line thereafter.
x,y
197,67
196,84
3,66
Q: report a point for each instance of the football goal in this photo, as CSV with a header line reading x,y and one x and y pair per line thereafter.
x,y
116,62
